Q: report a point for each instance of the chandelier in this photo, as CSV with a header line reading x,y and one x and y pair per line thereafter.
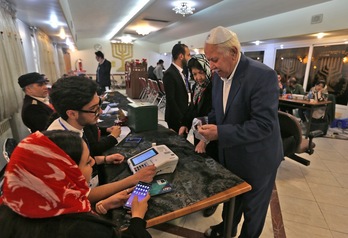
x,y
183,9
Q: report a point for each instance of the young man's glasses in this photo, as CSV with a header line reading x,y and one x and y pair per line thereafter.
x,y
96,112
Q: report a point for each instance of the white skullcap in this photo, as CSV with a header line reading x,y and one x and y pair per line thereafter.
x,y
219,35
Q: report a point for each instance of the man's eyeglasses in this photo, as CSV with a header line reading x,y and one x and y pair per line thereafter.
x,y
96,112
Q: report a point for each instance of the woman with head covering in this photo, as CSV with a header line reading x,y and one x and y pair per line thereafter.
x,y
200,106
45,192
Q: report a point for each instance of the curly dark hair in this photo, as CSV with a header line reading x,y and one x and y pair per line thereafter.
x,y
72,93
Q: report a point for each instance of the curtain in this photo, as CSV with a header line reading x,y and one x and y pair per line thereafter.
x,y
61,61
12,62
46,56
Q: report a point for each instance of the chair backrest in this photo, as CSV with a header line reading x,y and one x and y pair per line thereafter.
x,y
7,149
331,108
153,85
290,131
161,86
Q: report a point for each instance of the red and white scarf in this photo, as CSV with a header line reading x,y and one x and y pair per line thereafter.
x,y
41,180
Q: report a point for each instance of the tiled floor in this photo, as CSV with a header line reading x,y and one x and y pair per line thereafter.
x,y
313,199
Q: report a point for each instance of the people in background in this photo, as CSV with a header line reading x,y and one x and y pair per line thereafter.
x,y
158,71
50,198
294,87
200,106
201,103
244,118
78,106
103,71
150,73
281,85
36,109
320,94
177,87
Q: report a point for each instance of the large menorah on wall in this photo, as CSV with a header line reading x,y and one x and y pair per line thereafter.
x,y
292,67
122,51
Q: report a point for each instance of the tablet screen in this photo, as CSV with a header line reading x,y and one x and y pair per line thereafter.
x,y
144,156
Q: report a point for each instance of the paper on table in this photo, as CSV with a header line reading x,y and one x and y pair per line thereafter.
x,y
125,130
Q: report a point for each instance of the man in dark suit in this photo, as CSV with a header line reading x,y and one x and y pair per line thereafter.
x,y
177,88
244,119
103,71
36,108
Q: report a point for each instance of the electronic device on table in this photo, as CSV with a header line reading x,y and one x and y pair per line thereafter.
x,y
160,186
140,190
159,155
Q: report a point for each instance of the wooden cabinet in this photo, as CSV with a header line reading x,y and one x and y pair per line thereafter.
x,y
132,74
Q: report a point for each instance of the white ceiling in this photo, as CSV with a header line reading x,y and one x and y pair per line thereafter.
x,y
97,19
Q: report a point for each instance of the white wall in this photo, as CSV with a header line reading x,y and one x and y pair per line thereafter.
x,y
86,52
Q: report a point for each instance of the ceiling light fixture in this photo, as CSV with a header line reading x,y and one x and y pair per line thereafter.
x,y
62,34
144,30
184,9
320,35
53,21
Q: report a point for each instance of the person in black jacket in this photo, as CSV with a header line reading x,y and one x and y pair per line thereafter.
x,y
177,88
103,71
201,103
200,106
52,199
36,109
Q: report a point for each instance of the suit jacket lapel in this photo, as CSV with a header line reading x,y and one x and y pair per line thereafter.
x,y
179,77
236,83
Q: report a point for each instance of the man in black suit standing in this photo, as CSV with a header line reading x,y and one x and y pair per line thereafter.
x,y
103,71
177,88
244,119
36,108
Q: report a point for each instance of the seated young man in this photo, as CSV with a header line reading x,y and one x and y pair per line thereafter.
x,y
76,101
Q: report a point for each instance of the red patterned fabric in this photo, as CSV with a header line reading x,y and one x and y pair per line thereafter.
x,y
41,180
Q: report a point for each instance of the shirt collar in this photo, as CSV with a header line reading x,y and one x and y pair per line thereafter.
x,y
178,67
233,72
66,126
44,100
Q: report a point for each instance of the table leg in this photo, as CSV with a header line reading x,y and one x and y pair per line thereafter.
x,y
309,122
228,219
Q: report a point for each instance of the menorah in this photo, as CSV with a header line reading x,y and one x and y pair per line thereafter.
x,y
292,67
122,51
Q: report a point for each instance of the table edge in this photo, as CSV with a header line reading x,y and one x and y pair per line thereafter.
x,y
210,201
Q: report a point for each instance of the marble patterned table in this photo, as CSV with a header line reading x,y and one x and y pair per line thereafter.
x,y
198,181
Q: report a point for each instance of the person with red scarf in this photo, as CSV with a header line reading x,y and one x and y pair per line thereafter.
x,y
50,198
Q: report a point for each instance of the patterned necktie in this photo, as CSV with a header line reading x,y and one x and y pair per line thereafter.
x,y
188,88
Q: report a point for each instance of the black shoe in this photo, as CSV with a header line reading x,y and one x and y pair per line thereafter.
x,y
217,231
209,211
214,231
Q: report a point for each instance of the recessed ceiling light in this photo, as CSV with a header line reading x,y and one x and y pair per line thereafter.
x,y
320,35
53,21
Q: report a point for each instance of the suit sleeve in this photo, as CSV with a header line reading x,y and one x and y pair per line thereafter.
x,y
257,112
98,147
